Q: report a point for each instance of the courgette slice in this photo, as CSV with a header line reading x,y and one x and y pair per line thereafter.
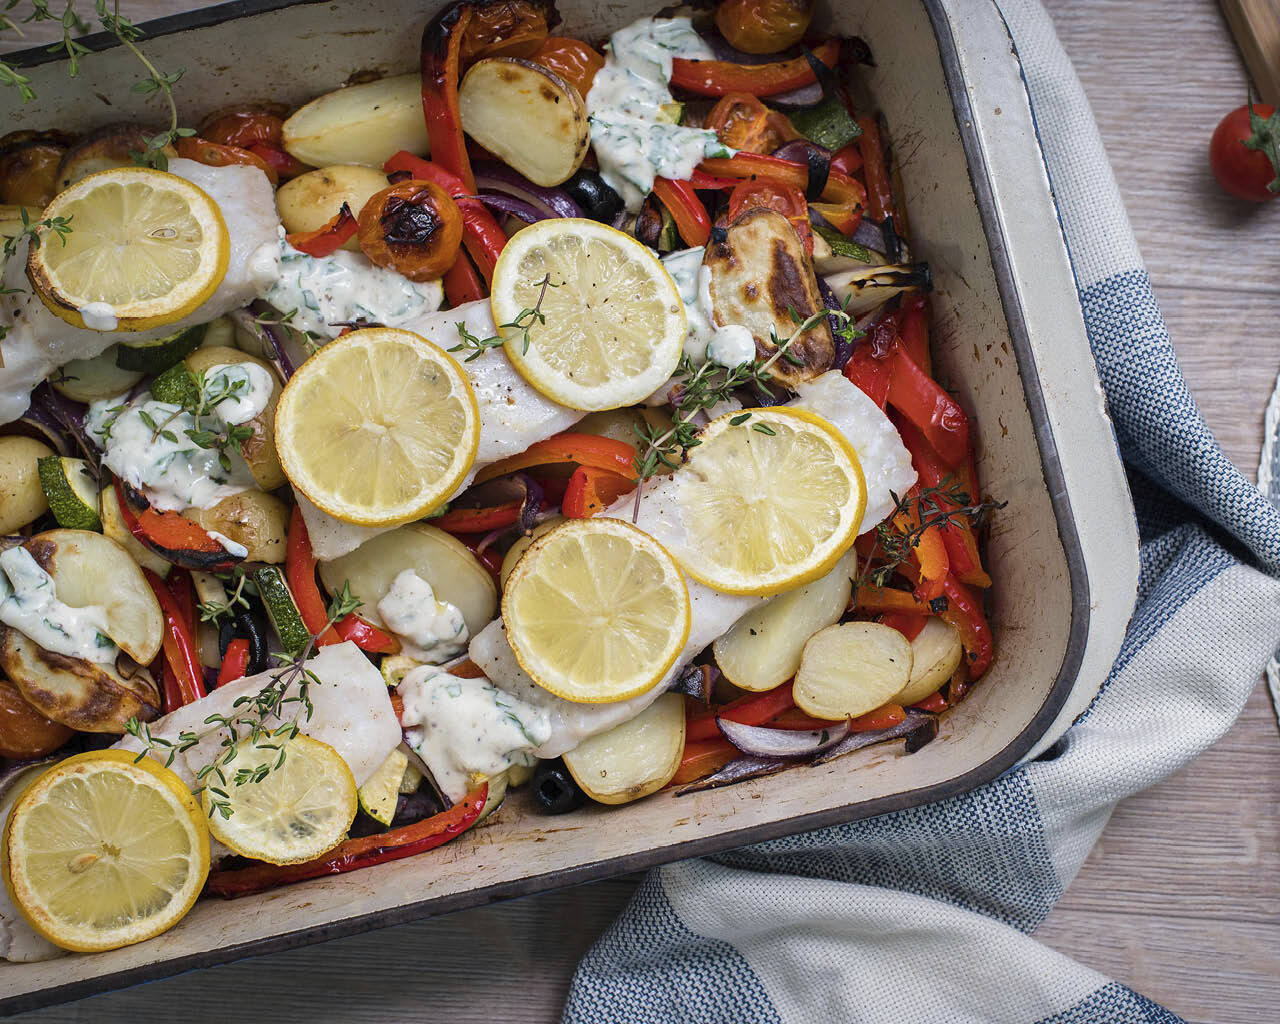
x,y
843,245
174,386
72,492
412,778
827,123
88,380
158,354
381,791
282,610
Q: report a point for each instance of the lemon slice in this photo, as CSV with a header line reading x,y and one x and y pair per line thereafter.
x,y
101,852
596,611
145,248
614,324
769,500
300,808
378,428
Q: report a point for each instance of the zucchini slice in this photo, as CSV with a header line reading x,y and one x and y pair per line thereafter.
x,y
158,354
72,492
282,610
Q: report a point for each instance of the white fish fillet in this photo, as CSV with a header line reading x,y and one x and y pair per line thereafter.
x,y
351,712
38,342
513,415
886,466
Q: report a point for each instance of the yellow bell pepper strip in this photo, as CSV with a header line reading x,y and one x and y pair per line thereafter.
x,y
887,599
720,77
441,62
354,854
686,210
582,449
930,551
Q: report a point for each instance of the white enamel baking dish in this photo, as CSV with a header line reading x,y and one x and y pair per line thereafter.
x,y
1010,342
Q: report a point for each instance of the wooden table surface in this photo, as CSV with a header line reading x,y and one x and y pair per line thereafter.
x,y
1181,897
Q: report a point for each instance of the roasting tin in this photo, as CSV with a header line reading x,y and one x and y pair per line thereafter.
x,y
1009,340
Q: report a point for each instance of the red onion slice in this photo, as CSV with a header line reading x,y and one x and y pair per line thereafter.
x,y
738,770
512,206
550,202
761,741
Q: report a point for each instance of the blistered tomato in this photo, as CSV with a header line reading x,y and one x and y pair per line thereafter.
x,y
413,228
763,26
571,59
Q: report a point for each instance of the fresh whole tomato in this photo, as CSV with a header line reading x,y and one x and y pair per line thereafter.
x,y
763,26
1245,152
24,732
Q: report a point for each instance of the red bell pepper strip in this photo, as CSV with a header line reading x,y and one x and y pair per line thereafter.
x,y
874,170
719,77
235,662
325,241
869,374
441,65
353,854
284,164
701,758
366,636
583,449
462,283
478,520
481,235
886,599
179,647
300,574
935,702
592,490
707,182
913,334
925,403
964,611
847,160
179,584
490,557
840,189
908,624
686,210
173,536
961,542
753,709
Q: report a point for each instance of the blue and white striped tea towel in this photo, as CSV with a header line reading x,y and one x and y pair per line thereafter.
x,y
925,914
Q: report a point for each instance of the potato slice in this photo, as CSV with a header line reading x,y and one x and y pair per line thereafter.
x,y
760,275
260,450
104,148
521,545
936,653
81,694
253,518
311,200
88,569
527,116
361,124
441,560
763,649
852,668
633,759
22,499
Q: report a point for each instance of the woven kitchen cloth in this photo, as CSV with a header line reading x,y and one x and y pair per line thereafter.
x,y
925,915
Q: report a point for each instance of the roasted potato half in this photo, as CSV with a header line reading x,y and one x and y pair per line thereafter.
x,y
936,652
29,168
111,146
81,694
22,499
759,275
634,759
91,569
361,124
311,200
253,518
260,450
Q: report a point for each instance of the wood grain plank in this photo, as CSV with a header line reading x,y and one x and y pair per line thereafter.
x,y
1255,24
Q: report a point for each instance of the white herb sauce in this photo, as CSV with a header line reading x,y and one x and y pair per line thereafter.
x,y
29,603
159,457
728,345
633,137
344,288
467,727
430,630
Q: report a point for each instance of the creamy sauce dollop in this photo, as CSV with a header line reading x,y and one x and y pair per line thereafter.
x,y
429,629
630,109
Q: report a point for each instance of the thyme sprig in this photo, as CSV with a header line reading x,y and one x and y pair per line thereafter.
x,y
947,504
700,388
109,17
197,396
215,611
249,722
60,226
523,322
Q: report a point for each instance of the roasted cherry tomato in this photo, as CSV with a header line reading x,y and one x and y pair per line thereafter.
x,y
1245,153
741,121
503,28
571,59
215,154
770,195
242,126
29,172
763,26
413,228
24,732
